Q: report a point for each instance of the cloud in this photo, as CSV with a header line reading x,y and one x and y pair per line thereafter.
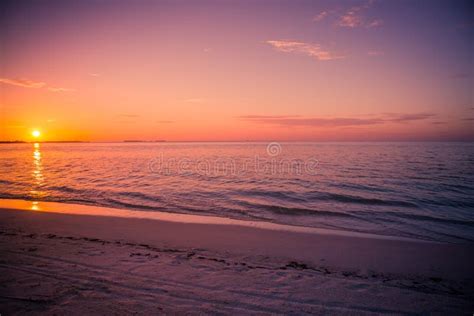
x,y
295,120
374,23
128,115
269,117
375,53
312,121
350,19
164,122
93,74
403,118
26,83
320,16
53,89
354,17
353,20
308,49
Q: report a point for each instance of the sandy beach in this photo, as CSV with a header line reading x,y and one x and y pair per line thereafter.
x,y
69,259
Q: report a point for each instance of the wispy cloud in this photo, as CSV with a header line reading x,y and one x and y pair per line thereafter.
x,y
403,118
355,17
314,121
26,83
374,23
267,117
350,19
53,89
128,115
294,120
320,16
308,49
375,53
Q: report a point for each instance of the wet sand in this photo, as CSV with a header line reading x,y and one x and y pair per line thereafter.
x,y
69,259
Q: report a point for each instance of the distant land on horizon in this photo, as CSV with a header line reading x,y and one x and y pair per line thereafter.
x,y
143,141
46,141
238,141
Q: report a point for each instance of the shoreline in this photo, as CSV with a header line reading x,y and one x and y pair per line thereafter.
x,y
334,247
234,268
83,209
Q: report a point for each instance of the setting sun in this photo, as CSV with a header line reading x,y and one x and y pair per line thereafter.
x,y
36,133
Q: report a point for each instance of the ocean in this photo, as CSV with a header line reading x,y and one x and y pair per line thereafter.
x,y
416,190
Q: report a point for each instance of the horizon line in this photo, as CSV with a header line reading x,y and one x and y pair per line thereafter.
x,y
240,141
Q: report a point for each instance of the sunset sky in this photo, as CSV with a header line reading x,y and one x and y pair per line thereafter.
x,y
237,70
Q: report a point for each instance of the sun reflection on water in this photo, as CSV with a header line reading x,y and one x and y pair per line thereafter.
x,y
37,172
35,206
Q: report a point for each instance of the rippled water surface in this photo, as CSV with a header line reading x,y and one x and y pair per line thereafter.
x,y
420,190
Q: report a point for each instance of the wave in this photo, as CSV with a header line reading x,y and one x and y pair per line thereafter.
x,y
66,189
283,195
140,196
7,182
122,204
324,196
290,210
14,196
431,218
361,188
354,199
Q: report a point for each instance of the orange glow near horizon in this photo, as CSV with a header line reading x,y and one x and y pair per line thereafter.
x,y
235,71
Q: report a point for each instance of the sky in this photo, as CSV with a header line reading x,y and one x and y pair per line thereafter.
x,y
292,70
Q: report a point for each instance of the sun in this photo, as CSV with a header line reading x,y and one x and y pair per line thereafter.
x,y
36,133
